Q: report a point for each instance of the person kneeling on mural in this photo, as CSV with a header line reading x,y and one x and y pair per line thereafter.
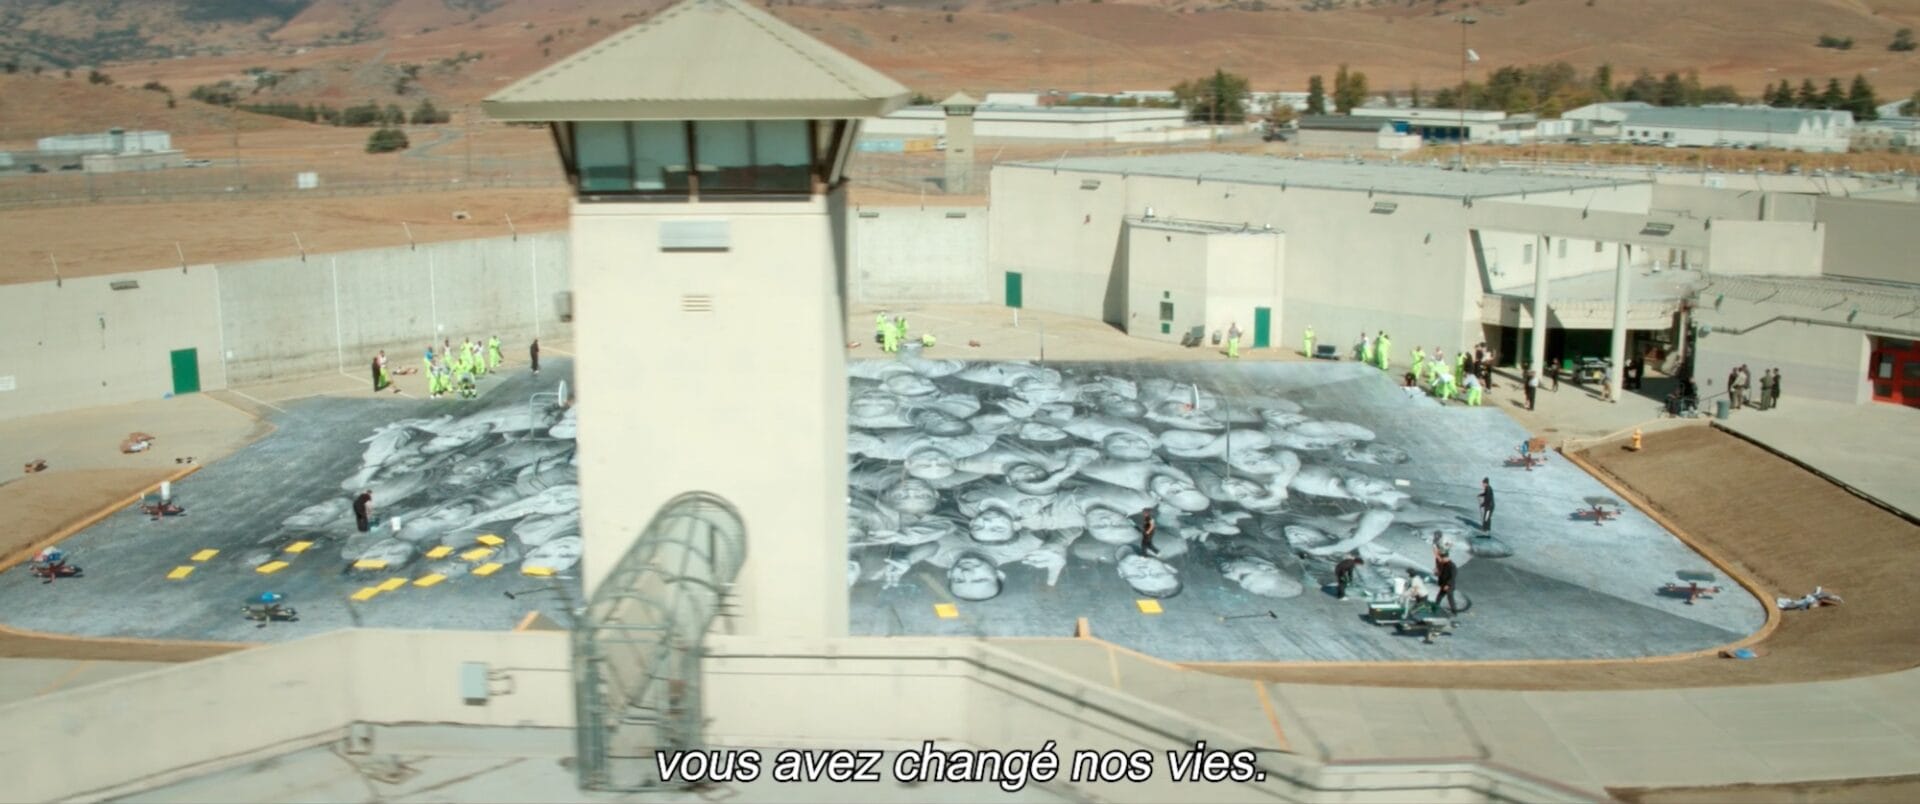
x,y
363,511
1343,573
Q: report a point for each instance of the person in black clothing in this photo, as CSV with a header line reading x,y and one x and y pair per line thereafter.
x,y
363,511
1343,573
1532,386
534,352
1486,503
1636,369
1146,532
1443,572
376,374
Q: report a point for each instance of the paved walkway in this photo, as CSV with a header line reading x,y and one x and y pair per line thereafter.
x,y
1875,448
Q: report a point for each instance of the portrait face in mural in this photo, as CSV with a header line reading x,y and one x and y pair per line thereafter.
x,y
1125,446
973,577
929,463
1109,526
936,422
1149,576
991,526
910,496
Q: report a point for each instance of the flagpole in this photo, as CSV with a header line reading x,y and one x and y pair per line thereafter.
x,y
1464,20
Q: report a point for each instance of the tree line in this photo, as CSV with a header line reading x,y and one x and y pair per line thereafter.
x,y
366,114
1547,90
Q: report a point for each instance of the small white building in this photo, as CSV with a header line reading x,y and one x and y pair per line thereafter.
x,y
1337,133
111,141
1443,125
1603,119
1814,130
132,161
1897,134
1032,122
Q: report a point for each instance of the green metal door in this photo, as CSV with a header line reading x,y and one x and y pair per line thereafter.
x,y
1013,289
186,371
1262,326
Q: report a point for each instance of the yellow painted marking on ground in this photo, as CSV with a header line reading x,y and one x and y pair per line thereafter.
x,y
206,554
179,573
366,593
439,552
270,567
538,572
1148,606
946,611
491,540
429,580
477,553
298,547
391,584
487,569
370,563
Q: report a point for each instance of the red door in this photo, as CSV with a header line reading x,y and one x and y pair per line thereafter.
x,y
1895,371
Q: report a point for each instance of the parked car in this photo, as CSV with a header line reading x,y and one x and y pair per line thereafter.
x,y
70,166
199,163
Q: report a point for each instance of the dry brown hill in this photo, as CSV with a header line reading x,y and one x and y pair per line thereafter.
x,y
33,107
346,51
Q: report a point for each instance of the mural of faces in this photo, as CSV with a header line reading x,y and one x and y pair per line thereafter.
x,y
971,468
508,471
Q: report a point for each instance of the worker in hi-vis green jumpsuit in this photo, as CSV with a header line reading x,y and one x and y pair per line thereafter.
x,y
1308,351
493,352
1419,362
1384,350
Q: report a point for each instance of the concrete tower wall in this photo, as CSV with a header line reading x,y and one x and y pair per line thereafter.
x,y
691,361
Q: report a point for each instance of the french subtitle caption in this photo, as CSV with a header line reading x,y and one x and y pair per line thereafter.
x,y
1012,770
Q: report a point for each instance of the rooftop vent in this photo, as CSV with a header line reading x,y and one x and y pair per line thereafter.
x,y
696,303
125,284
1384,207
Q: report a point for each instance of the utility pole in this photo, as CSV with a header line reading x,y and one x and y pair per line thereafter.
x,y
233,121
466,122
1464,20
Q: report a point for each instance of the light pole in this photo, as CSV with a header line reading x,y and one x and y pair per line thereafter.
x,y
1464,20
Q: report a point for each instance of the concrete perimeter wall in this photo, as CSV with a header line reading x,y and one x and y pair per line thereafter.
x,y
80,343
915,254
142,731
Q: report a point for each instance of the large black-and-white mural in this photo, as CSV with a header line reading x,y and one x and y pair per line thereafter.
x,y
509,471
971,467
1016,491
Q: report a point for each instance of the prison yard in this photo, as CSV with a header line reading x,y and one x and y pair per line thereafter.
x,y
785,433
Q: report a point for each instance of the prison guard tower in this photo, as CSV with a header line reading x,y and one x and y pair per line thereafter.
x,y
707,148
959,108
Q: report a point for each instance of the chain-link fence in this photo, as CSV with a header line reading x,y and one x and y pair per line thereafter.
x,y
296,162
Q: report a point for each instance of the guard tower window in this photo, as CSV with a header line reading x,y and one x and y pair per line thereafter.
x,y
677,160
752,156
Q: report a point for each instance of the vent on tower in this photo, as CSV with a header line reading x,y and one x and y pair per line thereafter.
x,y
696,303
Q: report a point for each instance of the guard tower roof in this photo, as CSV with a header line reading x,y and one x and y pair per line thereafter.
x,y
702,60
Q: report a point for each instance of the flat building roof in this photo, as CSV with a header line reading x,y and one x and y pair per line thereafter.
x,y
1400,179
